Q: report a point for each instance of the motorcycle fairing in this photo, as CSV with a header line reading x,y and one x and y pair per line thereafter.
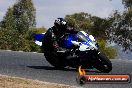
x,y
38,38
82,39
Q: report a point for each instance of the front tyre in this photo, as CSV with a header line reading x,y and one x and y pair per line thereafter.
x,y
102,63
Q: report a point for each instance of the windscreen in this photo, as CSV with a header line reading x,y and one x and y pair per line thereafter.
x,y
81,37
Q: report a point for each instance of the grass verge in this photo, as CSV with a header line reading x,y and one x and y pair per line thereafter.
x,y
16,82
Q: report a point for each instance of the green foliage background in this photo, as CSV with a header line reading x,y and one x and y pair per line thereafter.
x,y
18,27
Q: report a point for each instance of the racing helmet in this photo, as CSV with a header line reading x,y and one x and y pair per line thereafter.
x,y
60,24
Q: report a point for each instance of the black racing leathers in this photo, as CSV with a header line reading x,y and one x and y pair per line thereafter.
x,y
52,41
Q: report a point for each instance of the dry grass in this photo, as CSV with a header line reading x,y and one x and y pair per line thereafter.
x,y
15,82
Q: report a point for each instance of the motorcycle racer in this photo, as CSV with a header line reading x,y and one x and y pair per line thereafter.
x,y
52,44
67,47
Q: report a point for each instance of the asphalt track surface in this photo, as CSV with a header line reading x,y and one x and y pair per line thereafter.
x,y
34,66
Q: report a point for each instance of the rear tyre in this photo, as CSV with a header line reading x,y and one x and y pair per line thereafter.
x,y
103,64
55,61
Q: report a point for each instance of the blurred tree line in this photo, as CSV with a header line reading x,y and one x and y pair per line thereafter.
x,y
19,25
121,29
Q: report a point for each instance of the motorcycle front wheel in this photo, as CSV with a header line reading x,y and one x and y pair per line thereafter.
x,y
102,63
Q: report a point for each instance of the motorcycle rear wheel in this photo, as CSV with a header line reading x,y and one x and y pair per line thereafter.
x,y
55,61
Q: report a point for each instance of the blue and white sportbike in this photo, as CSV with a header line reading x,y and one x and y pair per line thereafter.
x,y
84,47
